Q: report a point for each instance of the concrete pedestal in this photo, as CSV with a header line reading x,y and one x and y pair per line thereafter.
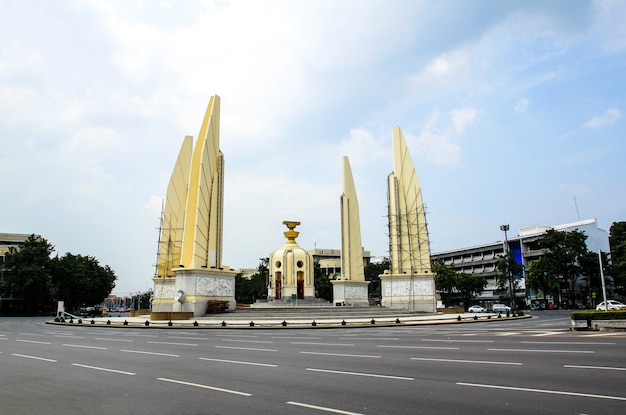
x,y
191,289
350,293
414,293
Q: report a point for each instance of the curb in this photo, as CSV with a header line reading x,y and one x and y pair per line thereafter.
x,y
276,324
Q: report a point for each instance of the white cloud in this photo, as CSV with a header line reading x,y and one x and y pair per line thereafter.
x,y
436,145
521,106
363,148
609,117
461,118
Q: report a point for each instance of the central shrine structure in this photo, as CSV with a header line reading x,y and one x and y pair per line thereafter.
x,y
291,270
189,269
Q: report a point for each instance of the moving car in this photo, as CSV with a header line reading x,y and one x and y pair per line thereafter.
x,y
476,309
500,308
95,311
613,305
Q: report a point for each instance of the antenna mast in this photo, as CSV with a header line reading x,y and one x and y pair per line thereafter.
x,y
576,204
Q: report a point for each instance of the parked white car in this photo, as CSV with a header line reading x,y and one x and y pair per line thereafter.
x,y
500,308
476,309
613,305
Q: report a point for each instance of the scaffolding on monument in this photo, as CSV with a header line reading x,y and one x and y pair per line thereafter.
x,y
410,220
170,245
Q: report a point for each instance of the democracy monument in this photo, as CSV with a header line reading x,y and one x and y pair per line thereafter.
x,y
190,274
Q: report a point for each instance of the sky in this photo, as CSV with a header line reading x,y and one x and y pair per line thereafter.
x,y
513,113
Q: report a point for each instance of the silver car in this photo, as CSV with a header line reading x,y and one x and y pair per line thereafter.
x,y
500,308
613,305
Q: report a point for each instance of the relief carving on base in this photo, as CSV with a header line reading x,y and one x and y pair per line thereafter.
x,y
356,293
164,291
218,287
402,288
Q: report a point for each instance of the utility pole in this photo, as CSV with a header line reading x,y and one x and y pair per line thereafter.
x,y
505,228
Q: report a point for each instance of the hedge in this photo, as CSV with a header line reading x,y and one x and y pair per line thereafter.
x,y
598,315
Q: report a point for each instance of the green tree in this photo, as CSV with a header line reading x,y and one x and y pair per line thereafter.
x,y
445,280
617,242
538,279
590,269
27,274
372,274
561,264
321,281
248,290
469,287
81,280
454,286
509,277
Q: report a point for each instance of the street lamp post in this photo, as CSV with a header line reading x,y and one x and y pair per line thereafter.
x,y
505,229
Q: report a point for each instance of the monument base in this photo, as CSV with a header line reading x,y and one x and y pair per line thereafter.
x,y
156,315
191,289
350,293
410,292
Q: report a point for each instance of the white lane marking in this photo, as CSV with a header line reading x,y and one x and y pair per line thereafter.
x,y
189,337
197,385
541,351
357,337
103,369
595,367
457,341
296,338
552,392
238,362
582,343
487,362
31,334
343,355
248,341
139,335
31,341
246,348
85,347
550,333
371,375
114,340
175,344
324,344
323,408
151,353
510,333
67,336
601,335
420,347
235,335
33,357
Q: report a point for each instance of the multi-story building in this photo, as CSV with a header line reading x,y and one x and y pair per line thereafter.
x,y
483,259
8,240
330,260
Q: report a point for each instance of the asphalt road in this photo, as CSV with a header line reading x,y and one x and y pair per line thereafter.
x,y
532,366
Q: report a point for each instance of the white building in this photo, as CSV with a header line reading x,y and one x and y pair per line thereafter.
x,y
482,259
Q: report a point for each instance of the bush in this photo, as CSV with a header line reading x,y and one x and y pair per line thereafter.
x,y
598,315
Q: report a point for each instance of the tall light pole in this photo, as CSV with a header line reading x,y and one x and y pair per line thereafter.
x,y
505,228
